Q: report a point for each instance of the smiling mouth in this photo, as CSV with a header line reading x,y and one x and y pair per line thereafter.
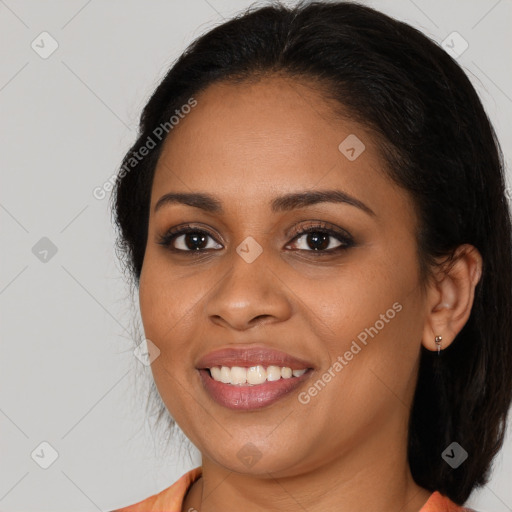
x,y
253,375
249,388
247,378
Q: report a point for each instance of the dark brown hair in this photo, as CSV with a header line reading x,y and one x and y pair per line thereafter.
x,y
440,147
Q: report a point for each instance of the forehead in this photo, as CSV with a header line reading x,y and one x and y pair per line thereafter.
x,y
251,140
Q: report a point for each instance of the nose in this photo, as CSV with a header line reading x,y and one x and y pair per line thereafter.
x,y
249,294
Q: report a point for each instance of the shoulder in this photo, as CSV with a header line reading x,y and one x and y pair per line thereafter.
x,y
440,503
170,498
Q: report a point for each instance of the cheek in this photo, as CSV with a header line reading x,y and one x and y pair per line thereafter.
x,y
372,307
167,313
166,307
354,296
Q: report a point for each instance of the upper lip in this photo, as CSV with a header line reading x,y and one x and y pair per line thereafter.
x,y
251,356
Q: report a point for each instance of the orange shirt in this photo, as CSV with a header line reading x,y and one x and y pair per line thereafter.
x,y
171,498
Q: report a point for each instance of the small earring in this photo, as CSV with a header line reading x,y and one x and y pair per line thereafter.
x,y
438,343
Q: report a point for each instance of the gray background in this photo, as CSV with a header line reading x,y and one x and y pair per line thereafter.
x,y
67,372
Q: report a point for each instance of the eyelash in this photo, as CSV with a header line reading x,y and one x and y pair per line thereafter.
x,y
342,236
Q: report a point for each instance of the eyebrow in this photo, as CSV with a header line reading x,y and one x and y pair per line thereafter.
x,y
288,202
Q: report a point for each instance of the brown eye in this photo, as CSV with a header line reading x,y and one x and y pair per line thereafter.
x,y
321,239
317,239
187,240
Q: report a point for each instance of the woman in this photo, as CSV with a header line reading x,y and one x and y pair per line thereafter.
x,y
314,214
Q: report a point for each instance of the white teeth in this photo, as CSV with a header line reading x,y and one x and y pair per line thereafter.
x,y
273,373
216,373
256,375
225,375
286,372
238,375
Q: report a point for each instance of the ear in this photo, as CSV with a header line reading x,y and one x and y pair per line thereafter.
x,y
450,296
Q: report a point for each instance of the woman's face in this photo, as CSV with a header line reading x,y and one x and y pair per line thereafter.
x,y
347,304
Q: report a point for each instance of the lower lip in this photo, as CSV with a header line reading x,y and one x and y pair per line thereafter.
x,y
246,397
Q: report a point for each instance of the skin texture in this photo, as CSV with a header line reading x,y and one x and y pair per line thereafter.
x,y
346,449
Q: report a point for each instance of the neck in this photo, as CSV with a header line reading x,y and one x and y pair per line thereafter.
x,y
373,476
